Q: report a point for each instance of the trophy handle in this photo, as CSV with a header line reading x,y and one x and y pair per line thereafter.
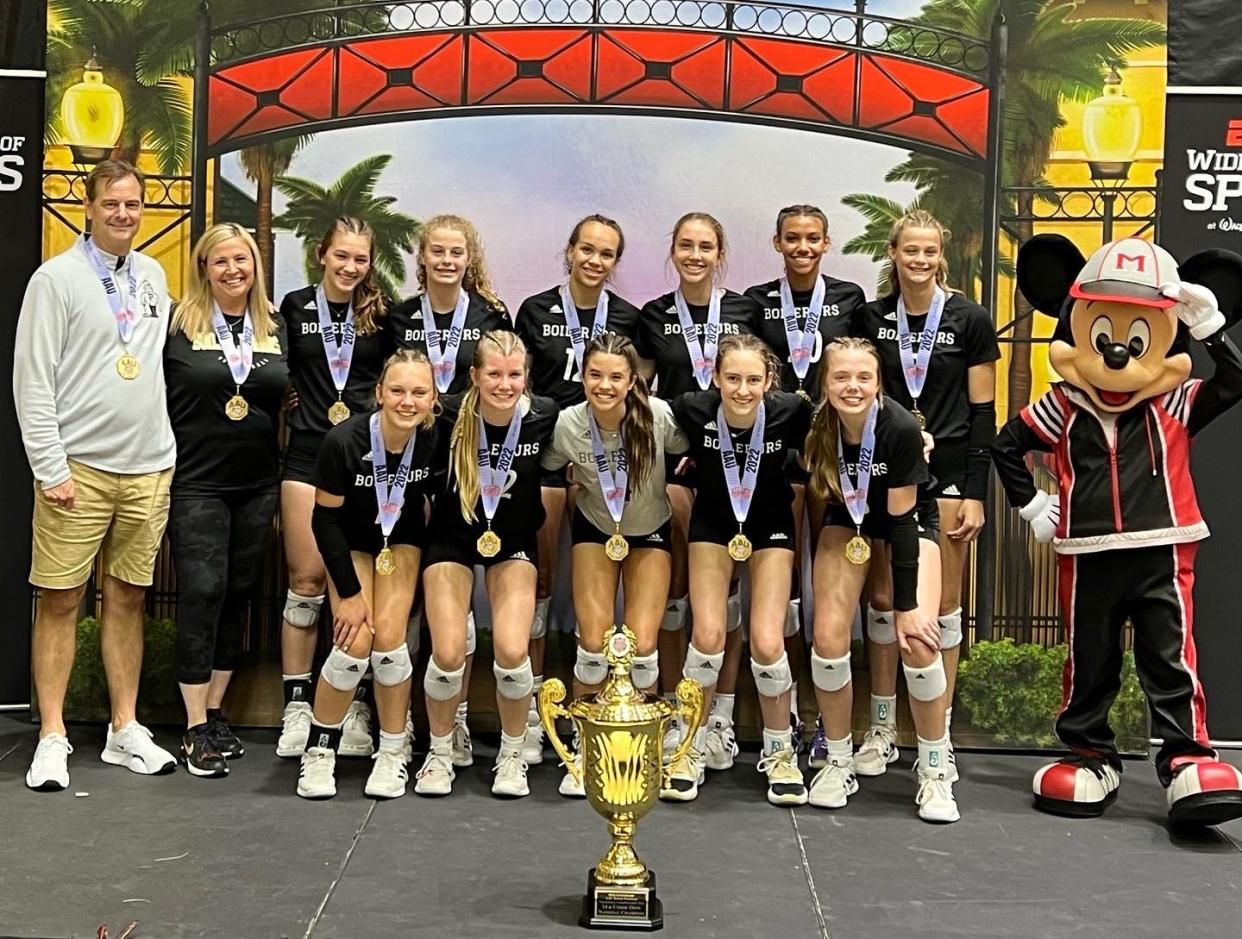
x,y
550,697
690,701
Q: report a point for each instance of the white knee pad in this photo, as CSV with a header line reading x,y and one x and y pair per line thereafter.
x,y
590,668
793,618
674,615
881,626
539,625
926,684
302,612
645,671
830,674
472,638
392,667
951,629
514,683
733,613
773,680
703,668
441,685
343,672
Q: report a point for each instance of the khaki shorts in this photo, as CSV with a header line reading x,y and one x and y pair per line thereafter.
x,y
122,515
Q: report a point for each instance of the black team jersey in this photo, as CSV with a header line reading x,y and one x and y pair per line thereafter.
x,y
405,323
897,462
658,337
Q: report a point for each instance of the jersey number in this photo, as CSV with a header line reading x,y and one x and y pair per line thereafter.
x,y
572,372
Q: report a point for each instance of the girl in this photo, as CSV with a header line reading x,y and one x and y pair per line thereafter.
x,y
680,333
557,326
370,481
865,454
616,441
939,355
741,435
337,346
490,516
226,370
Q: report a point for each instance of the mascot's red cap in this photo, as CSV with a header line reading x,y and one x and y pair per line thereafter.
x,y
1127,271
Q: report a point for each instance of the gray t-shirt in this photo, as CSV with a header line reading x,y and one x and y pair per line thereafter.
x,y
645,509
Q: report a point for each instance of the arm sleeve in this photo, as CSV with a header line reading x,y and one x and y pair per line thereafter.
x,y
978,449
333,546
42,328
1215,395
903,547
1016,439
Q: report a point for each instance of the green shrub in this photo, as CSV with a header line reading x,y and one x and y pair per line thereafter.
x,y
1013,691
87,696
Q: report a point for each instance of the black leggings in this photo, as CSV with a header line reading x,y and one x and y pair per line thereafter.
x,y
218,547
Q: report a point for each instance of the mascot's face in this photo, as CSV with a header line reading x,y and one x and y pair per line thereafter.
x,y
1120,353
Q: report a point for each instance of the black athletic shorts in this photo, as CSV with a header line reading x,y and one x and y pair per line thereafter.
x,y
458,544
583,532
300,455
927,515
948,470
689,479
773,529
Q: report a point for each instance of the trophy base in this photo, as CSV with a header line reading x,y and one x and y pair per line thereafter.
x,y
614,907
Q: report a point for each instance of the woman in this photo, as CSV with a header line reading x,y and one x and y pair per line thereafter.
x,y
336,350
741,435
616,442
371,478
939,355
680,332
865,454
557,326
489,515
803,310
226,371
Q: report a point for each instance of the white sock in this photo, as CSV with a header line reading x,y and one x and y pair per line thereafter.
x,y
776,740
700,739
934,757
793,702
948,724
883,710
442,744
722,706
510,745
392,742
841,750
532,715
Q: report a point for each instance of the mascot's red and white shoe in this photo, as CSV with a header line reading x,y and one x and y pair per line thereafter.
x,y
1077,786
1204,792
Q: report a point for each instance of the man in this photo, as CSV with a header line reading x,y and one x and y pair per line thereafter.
x,y
88,378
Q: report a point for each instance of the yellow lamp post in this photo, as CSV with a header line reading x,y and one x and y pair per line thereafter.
x,y
1112,126
93,114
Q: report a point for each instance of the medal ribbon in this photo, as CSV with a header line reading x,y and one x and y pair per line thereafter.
x,y
856,497
492,478
613,484
340,355
389,490
741,488
444,358
578,335
702,355
241,358
122,313
914,364
801,342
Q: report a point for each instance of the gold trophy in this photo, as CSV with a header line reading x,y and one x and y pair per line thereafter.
x,y
621,732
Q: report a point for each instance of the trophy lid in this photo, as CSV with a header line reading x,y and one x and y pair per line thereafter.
x,y
619,700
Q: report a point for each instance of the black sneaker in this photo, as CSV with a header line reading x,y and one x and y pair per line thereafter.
x,y
221,734
201,755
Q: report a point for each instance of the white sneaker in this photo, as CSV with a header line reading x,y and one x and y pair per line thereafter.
x,y
317,780
356,731
950,765
672,737
49,770
463,747
834,784
437,775
134,747
571,787
682,781
295,727
785,783
878,749
935,799
721,745
532,745
510,781
407,747
388,775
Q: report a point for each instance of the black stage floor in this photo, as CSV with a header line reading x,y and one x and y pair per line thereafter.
x,y
244,857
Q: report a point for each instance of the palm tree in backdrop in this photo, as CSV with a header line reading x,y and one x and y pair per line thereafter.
x,y
311,207
263,164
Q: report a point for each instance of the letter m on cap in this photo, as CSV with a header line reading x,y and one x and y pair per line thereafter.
x,y
1130,262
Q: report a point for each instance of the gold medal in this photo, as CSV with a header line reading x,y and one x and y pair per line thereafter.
x,y
385,563
237,408
803,394
918,416
857,551
488,544
739,547
617,547
128,367
338,412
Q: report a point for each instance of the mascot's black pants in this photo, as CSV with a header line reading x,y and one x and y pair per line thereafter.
x,y
1152,588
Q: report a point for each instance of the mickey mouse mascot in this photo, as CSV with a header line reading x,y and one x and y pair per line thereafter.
x,y
1125,523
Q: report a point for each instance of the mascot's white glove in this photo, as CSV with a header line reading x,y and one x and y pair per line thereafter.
x,y
1044,514
1196,307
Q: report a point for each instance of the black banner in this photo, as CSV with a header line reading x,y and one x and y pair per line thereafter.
x,y
23,50
1201,187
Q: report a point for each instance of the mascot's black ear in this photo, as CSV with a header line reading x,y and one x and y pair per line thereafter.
x,y
1221,272
1047,266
